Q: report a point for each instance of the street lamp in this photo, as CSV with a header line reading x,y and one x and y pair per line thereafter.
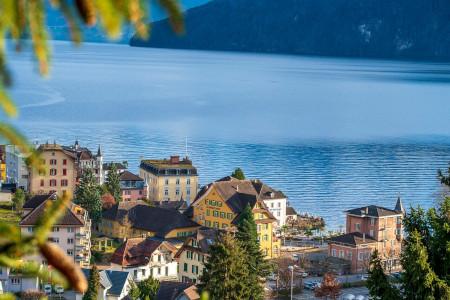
x,y
291,268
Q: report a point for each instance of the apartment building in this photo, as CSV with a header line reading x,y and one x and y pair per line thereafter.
x,y
60,171
369,228
220,203
72,232
193,254
171,179
85,159
146,257
132,187
16,168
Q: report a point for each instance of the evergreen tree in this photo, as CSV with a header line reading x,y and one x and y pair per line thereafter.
x,y
248,236
94,285
225,274
18,199
378,283
133,293
112,182
148,288
418,279
87,195
238,174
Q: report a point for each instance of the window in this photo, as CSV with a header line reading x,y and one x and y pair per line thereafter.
x,y
271,205
135,273
70,252
64,172
166,192
333,252
279,204
64,182
143,272
53,182
64,161
159,257
371,232
265,237
159,270
215,213
229,216
349,255
188,191
177,192
53,239
53,172
70,229
55,229
177,181
222,215
372,221
357,226
42,182
185,267
361,256
15,281
69,241
166,271
53,162
399,220
30,229
398,231
188,181
341,253
193,269
166,182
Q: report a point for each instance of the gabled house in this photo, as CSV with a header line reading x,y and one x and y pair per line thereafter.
x,y
220,204
369,228
145,257
137,219
114,285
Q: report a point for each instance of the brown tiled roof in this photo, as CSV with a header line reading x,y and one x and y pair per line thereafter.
x,y
373,211
290,211
70,217
138,251
36,200
353,239
128,176
55,147
154,219
205,237
170,290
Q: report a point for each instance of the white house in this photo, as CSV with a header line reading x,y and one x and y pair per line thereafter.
x,y
11,282
275,200
145,257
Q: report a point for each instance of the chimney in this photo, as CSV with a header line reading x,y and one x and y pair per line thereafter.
x,y
367,210
364,237
174,159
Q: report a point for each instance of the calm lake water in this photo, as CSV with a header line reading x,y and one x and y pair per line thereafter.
x,y
333,134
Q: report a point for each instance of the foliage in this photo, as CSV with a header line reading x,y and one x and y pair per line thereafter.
x,y
445,179
248,236
238,174
18,199
108,201
87,195
145,289
112,183
329,287
32,295
225,274
94,285
7,214
378,283
283,273
134,293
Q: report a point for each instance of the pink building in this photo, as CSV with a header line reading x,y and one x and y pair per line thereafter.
x,y
132,187
369,228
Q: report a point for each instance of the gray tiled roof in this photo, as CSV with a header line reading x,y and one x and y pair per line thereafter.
x,y
118,279
354,239
373,211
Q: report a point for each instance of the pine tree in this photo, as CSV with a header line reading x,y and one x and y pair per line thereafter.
x,y
87,195
378,283
113,182
418,279
238,174
248,236
94,285
225,274
18,199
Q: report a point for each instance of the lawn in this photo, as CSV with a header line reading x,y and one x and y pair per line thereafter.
x,y
7,214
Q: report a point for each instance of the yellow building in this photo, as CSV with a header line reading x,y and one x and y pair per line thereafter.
x,y
219,205
170,179
129,219
2,163
60,171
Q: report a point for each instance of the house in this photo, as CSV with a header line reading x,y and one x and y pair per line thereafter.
x,y
114,285
291,214
13,282
132,187
16,167
369,228
220,204
60,171
146,257
174,290
2,163
180,205
120,167
170,179
72,233
137,219
193,254
85,159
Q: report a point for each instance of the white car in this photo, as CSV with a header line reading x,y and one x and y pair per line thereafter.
x,y
364,277
48,289
59,289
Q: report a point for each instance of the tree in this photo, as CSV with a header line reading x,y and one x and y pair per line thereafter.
x,y
329,288
225,274
283,272
238,174
148,288
134,291
112,182
93,284
248,236
378,283
87,195
18,199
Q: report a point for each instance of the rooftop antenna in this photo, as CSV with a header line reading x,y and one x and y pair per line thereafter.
x,y
186,147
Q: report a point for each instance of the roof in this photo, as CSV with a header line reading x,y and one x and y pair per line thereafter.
x,y
373,211
179,204
150,218
118,279
290,211
354,239
73,216
55,147
205,237
399,206
138,251
36,200
119,166
104,279
128,176
173,166
170,290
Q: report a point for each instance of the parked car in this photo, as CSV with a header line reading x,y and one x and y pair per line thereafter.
x,y
309,285
364,277
48,289
59,289
304,274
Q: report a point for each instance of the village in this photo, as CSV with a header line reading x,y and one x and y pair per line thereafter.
x,y
160,223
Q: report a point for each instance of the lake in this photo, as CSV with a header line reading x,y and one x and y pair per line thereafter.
x,y
333,134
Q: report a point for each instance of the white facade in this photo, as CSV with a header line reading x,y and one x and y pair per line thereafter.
x,y
16,169
12,283
277,208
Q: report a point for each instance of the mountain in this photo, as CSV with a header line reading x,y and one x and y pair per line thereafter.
x,y
406,29
59,30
